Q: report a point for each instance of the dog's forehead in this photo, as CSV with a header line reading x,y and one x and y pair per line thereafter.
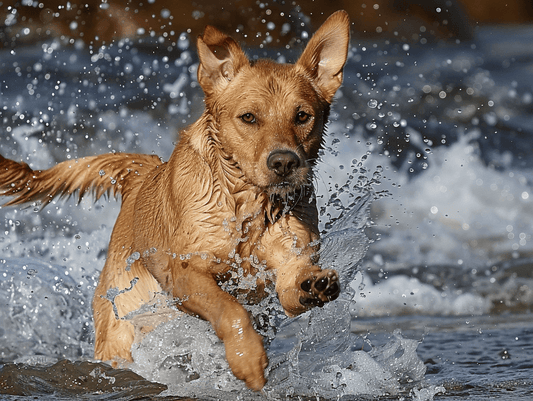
x,y
270,81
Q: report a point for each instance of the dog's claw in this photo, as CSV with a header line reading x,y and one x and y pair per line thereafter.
x,y
322,288
310,302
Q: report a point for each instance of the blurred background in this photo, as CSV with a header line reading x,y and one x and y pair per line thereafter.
x,y
254,22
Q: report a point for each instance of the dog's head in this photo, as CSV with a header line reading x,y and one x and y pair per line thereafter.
x,y
270,117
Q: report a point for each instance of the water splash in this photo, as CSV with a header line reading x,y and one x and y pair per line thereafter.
x,y
314,354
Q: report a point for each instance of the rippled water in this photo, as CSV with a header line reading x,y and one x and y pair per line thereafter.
x,y
439,133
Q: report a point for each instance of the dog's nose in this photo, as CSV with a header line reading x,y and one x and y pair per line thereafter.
x,y
283,162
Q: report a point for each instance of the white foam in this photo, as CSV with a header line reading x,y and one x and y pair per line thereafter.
x,y
458,211
427,393
400,295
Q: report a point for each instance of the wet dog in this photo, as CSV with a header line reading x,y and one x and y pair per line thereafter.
x,y
238,185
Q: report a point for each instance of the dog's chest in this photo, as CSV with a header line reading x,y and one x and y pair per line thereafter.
x,y
235,234
243,231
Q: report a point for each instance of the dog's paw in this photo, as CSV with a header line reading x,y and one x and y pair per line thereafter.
x,y
322,287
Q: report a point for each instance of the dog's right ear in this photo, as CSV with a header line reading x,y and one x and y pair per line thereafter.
x,y
221,58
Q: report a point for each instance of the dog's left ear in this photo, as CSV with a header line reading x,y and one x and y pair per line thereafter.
x,y
221,58
325,54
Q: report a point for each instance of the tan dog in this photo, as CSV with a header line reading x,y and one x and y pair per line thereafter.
x,y
238,184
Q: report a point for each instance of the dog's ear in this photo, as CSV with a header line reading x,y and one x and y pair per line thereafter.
x,y
221,58
325,54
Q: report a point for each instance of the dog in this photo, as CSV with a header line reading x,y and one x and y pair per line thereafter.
x,y
239,183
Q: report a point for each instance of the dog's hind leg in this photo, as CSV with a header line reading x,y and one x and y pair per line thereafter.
x,y
122,289
113,335
199,294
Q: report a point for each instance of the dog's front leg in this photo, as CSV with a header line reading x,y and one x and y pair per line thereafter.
x,y
289,246
198,293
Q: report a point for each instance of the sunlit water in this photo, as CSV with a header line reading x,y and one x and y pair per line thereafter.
x,y
427,164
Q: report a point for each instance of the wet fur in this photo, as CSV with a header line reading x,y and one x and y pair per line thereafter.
x,y
221,193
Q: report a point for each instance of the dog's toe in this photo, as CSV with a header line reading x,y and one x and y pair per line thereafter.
x,y
306,285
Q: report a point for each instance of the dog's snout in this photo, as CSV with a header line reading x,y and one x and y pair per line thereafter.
x,y
283,162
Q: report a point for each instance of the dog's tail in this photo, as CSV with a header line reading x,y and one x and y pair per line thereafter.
x,y
105,174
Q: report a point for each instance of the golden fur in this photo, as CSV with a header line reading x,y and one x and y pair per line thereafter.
x,y
239,182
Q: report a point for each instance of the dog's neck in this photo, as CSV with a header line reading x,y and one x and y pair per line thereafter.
x,y
228,180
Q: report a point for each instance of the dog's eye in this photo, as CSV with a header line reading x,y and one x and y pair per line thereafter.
x,y
302,117
248,118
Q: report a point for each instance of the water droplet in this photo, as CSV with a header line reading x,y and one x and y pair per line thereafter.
x,y
372,103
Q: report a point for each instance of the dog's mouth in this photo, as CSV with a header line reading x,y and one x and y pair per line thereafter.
x,y
287,193
283,190
283,186
284,197
288,187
